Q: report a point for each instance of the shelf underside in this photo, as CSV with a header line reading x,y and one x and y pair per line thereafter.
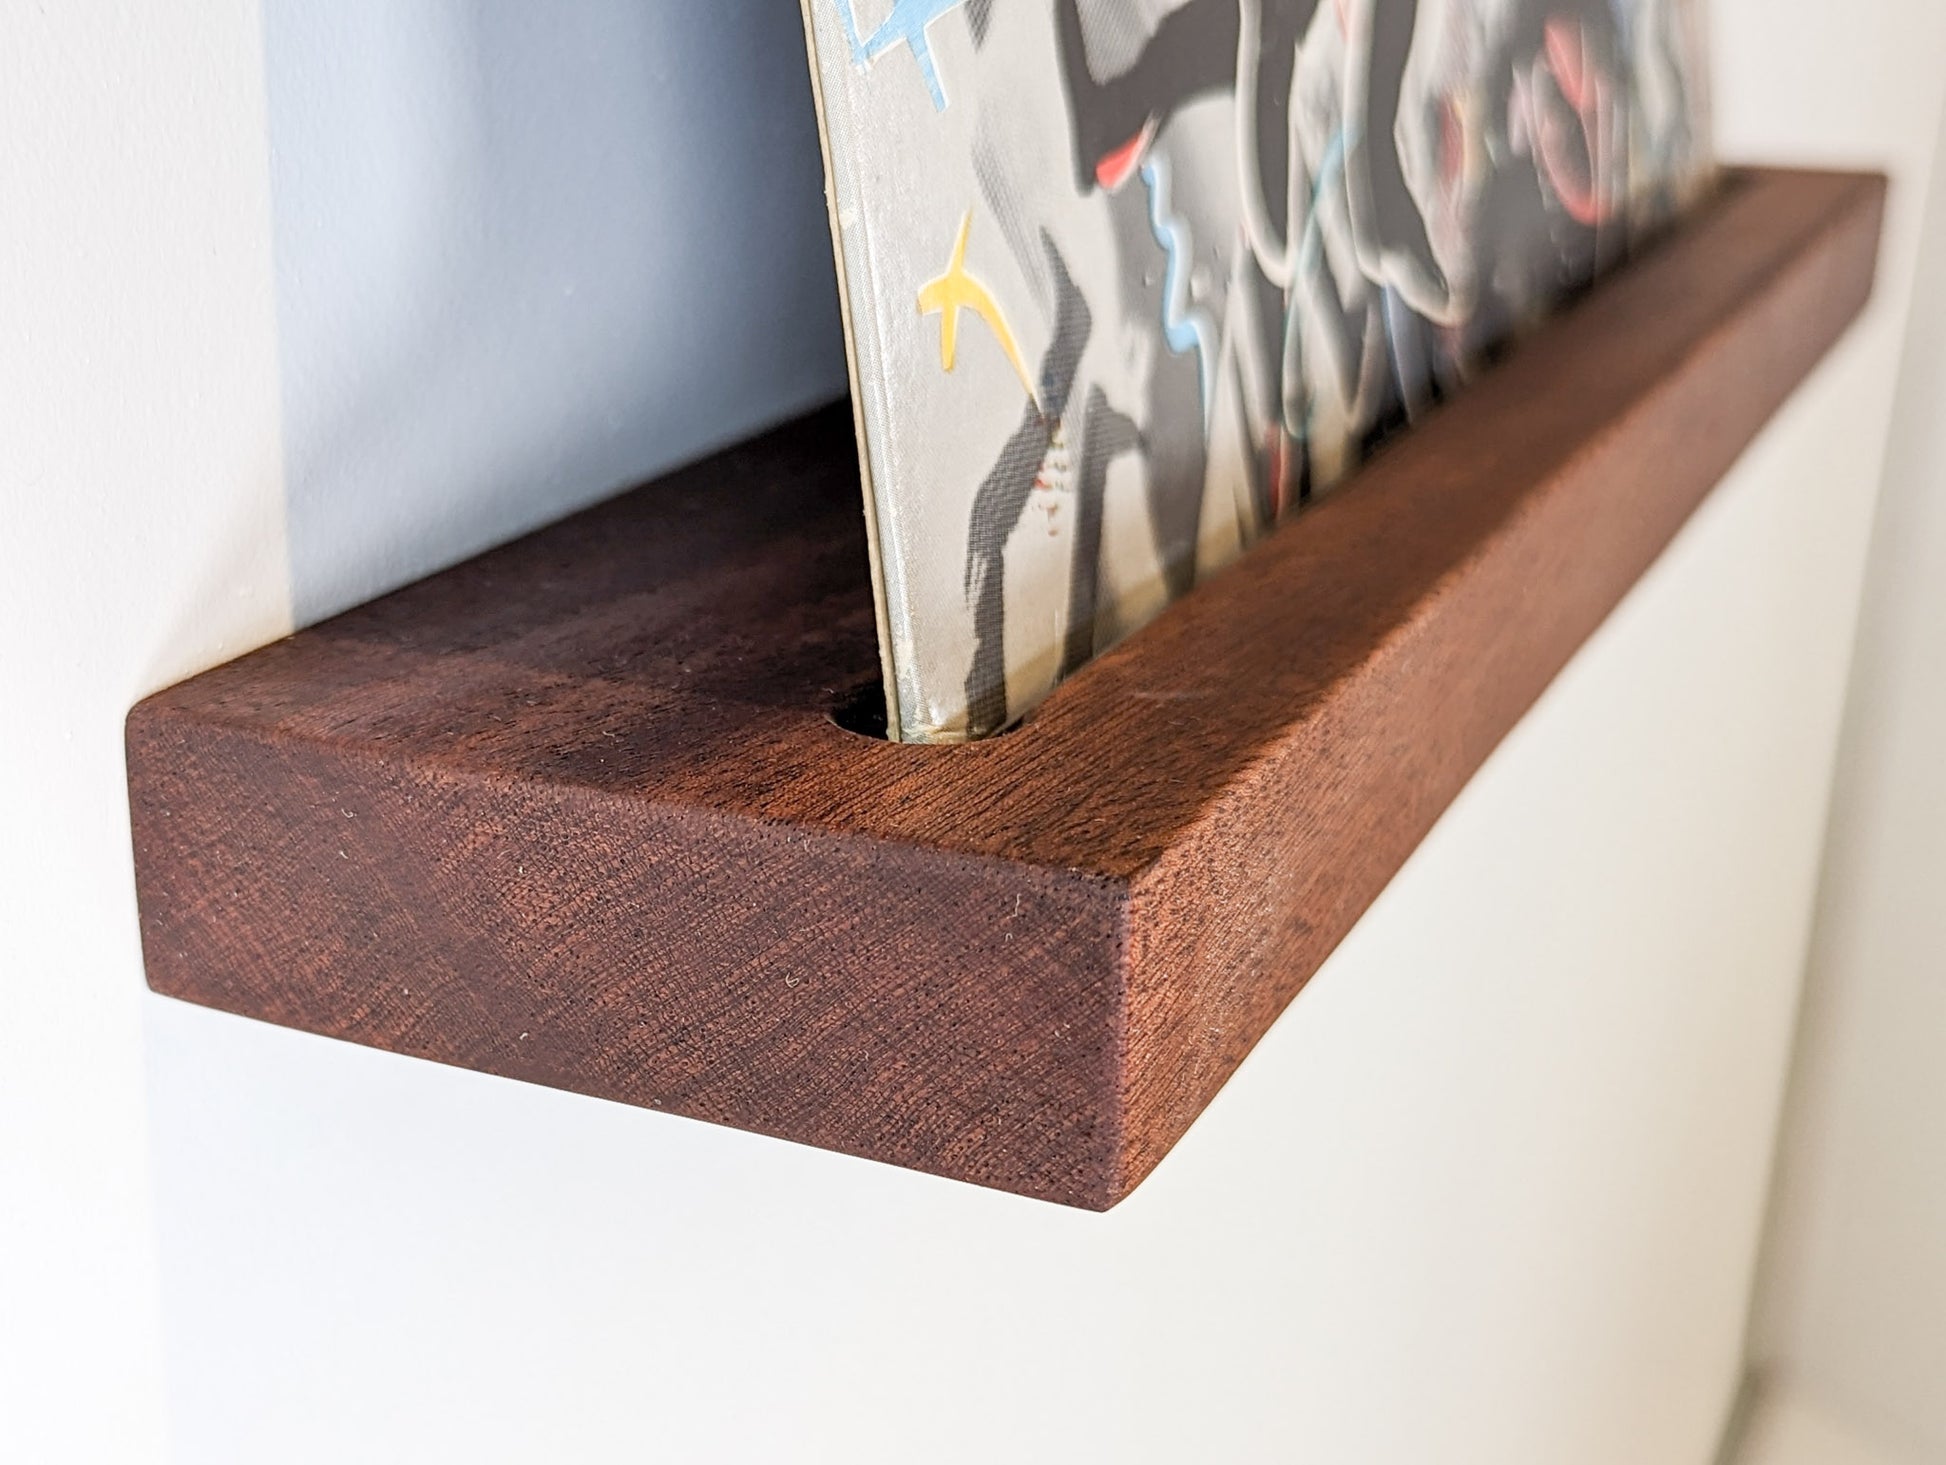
x,y
576,811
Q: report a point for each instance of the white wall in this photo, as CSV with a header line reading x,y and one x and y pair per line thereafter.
x,y
1854,1308
527,254
1491,1191
141,498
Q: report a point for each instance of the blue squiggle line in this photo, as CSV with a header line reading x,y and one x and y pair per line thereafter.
x,y
1329,167
1184,327
1311,250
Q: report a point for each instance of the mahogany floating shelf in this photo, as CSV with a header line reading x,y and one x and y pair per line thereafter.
x,y
577,811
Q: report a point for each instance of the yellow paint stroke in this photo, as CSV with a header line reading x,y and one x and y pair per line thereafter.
x,y
955,290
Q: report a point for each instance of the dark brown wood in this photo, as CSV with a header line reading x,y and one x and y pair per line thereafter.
x,y
575,812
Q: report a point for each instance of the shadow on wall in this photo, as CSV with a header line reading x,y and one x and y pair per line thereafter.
x,y
526,255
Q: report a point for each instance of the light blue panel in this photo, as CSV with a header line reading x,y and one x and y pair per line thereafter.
x,y
526,255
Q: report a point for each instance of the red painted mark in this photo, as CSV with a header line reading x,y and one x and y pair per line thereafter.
x,y
1567,56
1278,467
1583,88
1452,144
1120,165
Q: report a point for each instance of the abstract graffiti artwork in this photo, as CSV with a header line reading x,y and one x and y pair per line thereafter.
x,y
1126,281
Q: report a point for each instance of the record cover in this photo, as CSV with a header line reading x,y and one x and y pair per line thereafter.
x,y
1126,281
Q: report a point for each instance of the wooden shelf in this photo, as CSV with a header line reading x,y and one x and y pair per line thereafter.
x,y
576,812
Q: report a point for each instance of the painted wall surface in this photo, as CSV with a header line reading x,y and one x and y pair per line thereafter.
x,y
526,255
1854,1307
141,533
1490,1191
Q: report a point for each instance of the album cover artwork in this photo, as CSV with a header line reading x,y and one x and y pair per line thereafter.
x,y
1126,281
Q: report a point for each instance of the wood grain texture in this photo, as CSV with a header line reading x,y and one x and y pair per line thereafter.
x,y
575,811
